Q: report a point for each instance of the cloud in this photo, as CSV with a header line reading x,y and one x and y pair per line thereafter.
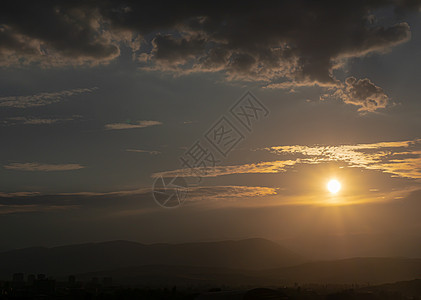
x,y
122,201
177,51
362,93
401,159
208,193
138,124
41,99
16,209
27,202
277,42
37,121
18,194
66,34
262,167
38,167
152,152
189,122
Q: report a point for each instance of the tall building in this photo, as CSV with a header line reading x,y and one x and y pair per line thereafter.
x,y
71,281
18,280
18,277
31,279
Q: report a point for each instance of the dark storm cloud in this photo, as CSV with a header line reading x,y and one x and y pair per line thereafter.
x,y
276,42
53,33
177,51
280,43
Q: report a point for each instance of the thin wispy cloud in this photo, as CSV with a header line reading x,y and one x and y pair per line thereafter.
x,y
34,166
18,194
152,152
133,125
208,192
41,99
262,167
18,209
25,202
228,192
38,121
224,195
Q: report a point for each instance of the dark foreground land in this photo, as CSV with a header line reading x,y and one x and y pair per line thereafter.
x,y
246,269
49,289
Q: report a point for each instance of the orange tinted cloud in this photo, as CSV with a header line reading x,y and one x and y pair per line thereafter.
x,y
262,167
401,159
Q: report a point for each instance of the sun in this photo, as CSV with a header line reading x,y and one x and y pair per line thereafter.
x,y
333,186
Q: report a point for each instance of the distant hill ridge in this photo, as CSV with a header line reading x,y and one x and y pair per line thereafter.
x,y
243,254
362,271
251,262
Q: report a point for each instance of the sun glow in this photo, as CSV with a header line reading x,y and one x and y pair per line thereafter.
x,y
333,186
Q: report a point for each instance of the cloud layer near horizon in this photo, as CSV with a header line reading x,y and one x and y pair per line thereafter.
x,y
24,202
400,159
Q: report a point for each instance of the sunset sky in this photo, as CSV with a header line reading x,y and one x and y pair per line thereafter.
x,y
98,99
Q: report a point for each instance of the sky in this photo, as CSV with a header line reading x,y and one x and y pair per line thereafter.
x,y
249,108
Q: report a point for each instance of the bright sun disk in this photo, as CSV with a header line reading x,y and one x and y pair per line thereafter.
x,y
333,186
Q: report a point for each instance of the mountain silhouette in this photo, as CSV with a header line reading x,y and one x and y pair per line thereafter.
x,y
409,289
243,254
373,270
245,262
362,271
